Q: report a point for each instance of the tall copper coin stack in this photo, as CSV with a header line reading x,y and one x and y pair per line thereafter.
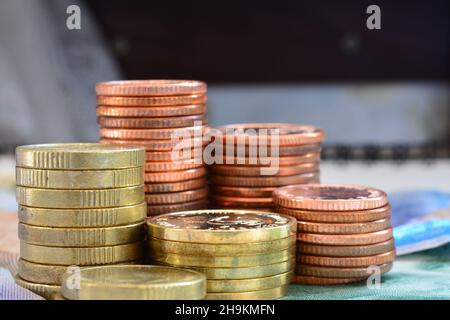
x,y
79,205
150,113
344,232
244,254
247,177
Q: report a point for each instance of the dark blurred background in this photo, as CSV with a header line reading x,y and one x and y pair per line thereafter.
x,y
277,41
378,93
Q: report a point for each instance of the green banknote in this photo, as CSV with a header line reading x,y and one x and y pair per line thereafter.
x,y
423,275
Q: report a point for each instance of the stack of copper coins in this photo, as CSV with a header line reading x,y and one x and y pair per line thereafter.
x,y
80,204
344,232
258,158
160,115
244,254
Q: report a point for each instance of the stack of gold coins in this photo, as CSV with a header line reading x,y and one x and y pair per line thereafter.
x,y
260,157
79,205
244,254
136,282
344,232
168,118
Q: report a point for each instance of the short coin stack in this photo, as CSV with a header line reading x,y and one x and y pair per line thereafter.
x,y
136,282
244,254
79,205
258,159
160,115
344,232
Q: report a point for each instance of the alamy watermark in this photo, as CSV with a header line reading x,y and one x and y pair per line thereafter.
x,y
237,146
73,21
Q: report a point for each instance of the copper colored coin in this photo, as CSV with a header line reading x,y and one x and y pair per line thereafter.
x,y
151,101
263,192
335,272
176,197
269,209
344,228
149,112
345,251
171,156
268,181
150,87
143,123
337,216
330,197
308,280
255,171
268,160
175,186
346,239
153,210
347,262
224,201
173,165
152,134
281,151
156,145
174,176
289,134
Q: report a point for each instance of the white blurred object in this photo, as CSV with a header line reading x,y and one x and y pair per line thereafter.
x,y
47,72
7,171
388,175
352,113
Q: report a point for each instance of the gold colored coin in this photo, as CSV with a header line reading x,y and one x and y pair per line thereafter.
x,y
81,256
79,179
62,199
81,237
74,156
245,272
348,262
337,272
345,251
138,282
49,292
223,261
344,228
221,226
243,285
83,218
268,294
47,273
210,249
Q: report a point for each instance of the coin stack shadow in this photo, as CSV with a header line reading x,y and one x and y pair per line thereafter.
x,y
344,232
244,254
149,113
247,180
79,205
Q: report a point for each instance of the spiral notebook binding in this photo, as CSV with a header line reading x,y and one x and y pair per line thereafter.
x,y
396,152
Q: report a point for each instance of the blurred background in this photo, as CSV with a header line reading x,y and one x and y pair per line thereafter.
x,y
381,95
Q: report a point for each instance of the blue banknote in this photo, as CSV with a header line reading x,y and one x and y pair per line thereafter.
x,y
421,220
